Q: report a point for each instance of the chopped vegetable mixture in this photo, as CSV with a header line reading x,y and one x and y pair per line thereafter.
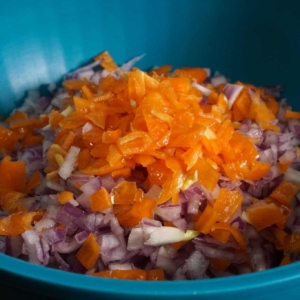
x,y
160,175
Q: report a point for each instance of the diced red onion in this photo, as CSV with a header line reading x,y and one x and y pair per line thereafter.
x,y
54,186
16,243
81,236
49,218
68,213
108,182
287,156
238,223
67,246
168,212
196,265
210,252
257,257
154,191
64,266
54,235
232,91
91,187
181,224
165,262
128,65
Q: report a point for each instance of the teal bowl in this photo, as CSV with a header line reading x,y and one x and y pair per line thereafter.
x,y
254,41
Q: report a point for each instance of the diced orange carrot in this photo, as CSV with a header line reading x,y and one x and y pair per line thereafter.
x,y
89,252
64,197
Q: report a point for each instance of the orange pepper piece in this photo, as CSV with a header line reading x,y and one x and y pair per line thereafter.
x,y
18,223
9,172
123,274
227,203
124,192
155,274
264,215
238,236
206,220
285,192
292,114
64,197
89,252
220,264
100,200
33,181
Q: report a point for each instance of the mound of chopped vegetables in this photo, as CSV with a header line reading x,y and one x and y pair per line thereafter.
x,y
151,176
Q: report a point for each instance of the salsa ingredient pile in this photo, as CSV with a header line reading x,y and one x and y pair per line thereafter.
x,y
159,175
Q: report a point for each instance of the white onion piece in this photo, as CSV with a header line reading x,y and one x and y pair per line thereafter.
x,y
292,175
69,163
217,80
196,265
166,235
231,91
135,239
87,127
32,242
205,91
125,266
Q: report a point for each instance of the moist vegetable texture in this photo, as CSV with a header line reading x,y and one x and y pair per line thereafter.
x,y
160,175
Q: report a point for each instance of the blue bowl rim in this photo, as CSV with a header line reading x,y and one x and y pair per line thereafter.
x,y
67,280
